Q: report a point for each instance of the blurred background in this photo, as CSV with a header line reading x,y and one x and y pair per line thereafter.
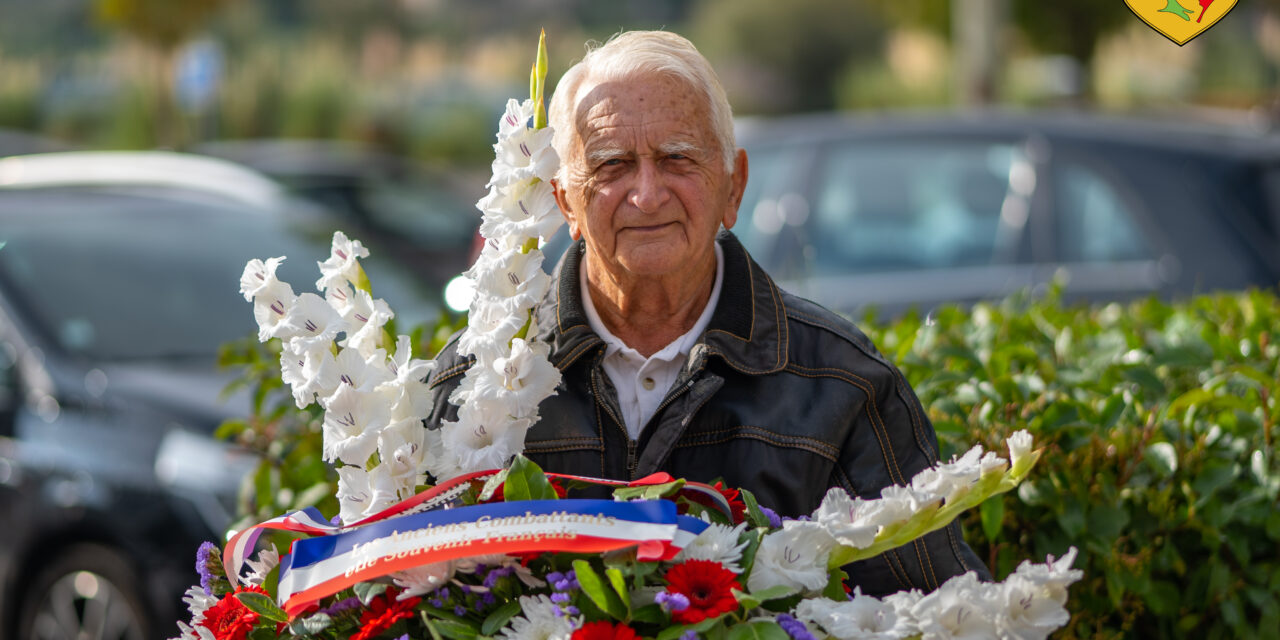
x,y
425,78
904,154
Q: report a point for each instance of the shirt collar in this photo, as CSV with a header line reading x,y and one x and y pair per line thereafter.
x,y
680,346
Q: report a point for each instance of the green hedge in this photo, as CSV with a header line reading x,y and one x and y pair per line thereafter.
x,y
1157,419
1158,422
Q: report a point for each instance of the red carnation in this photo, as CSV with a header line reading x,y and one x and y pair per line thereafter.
x,y
604,630
229,619
383,612
707,585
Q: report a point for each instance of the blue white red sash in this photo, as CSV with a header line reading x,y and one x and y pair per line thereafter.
x,y
418,531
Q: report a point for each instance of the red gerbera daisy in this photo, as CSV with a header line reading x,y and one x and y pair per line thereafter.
x,y
604,630
383,612
707,585
229,619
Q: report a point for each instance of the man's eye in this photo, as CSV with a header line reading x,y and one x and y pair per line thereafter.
x,y
677,156
611,162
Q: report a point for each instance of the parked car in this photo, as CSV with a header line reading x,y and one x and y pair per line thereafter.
x,y
426,217
119,279
14,142
899,212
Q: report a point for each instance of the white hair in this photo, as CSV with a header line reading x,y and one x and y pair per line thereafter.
x,y
633,53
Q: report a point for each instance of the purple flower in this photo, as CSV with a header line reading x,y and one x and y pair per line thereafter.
x,y
774,521
206,556
460,611
689,635
794,628
671,601
559,597
346,604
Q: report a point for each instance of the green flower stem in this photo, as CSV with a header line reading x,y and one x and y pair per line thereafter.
x,y
934,517
539,82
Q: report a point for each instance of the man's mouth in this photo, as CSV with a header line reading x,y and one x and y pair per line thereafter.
x,y
650,228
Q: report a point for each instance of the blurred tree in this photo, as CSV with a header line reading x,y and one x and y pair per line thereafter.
x,y
164,26
793,53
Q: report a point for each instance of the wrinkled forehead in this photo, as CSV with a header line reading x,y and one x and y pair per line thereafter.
x,y
612,107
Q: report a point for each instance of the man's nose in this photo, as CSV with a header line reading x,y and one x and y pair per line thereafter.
x,y
649,192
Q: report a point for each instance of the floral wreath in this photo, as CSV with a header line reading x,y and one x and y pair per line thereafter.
x,y
494,549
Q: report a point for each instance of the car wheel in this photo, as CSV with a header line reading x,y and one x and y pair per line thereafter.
x,y
88,593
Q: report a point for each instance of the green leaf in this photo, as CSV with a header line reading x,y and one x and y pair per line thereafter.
x,y
1107,521
619,586
1146,379
992,512
649,491
673,632
526,481
1163,597
311,625
594,588
755,517
367,591
498,619
1163,458
263,606
650,613
230,429
455,629
1071,519
759,630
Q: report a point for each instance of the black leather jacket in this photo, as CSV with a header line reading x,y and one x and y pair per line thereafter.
x,y
780,397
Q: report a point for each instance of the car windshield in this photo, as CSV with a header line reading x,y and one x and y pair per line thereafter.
x,y
124,275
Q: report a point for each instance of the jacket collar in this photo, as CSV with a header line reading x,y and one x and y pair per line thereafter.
x,y
748,329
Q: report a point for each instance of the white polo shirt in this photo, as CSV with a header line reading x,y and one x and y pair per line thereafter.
x,y
642,382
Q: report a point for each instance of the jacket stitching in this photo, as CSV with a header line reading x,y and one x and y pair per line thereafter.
x,y
573,355
755,436
732,430
917,427
449,373
561,449
898,570
951,537
877,422
930,579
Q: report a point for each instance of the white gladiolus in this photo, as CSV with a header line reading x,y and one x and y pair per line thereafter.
x,y
310,371
342,266
522,152
510,278
365,319
478,441
490,328
407,383
1019,451
423,579
523,209
311,321
862,618
258,275
271,305
352,421
962,607
364,373
794,556
402,448
847,518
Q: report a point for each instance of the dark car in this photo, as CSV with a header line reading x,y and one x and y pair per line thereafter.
x,y
899,212
119,279
426,217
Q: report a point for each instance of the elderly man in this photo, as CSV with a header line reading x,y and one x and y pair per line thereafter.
x,y
678,352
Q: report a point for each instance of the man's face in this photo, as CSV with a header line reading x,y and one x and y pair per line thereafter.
x,y
646,182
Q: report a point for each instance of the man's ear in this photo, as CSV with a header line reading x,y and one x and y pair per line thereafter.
x,y
562,201
738,184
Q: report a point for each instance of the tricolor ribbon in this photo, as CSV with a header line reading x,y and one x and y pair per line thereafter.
x,y
431,527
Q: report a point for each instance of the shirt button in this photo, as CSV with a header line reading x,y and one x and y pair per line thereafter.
x,y
648,384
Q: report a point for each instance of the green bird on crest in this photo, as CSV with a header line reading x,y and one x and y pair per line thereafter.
x,y
1176,8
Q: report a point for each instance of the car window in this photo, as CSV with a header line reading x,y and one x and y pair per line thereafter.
x,y
115,277
892,205
1093,222
774,173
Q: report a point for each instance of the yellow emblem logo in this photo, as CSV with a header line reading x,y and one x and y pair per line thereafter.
x,y
1180,20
